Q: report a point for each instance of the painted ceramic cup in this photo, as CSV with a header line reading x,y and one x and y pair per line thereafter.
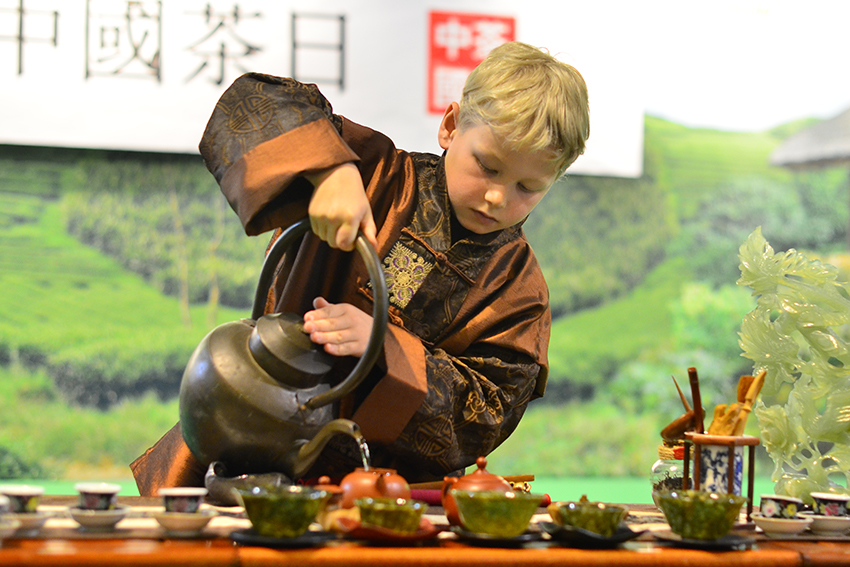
x,y
98,495
830,504
183,499
23,499
778,506
714,469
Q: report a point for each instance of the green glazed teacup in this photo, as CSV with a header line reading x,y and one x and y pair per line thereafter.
x,y
282,511
596,517
396,514
499,513
700,515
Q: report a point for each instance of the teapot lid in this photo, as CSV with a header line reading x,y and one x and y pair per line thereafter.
x,y
282,348
480,479
324,483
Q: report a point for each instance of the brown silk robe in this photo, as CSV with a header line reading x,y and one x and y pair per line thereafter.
x,y
466,347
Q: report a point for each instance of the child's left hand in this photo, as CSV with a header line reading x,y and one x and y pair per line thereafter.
x,y
341,327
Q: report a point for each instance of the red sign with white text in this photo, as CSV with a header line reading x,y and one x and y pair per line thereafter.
x,y
456,44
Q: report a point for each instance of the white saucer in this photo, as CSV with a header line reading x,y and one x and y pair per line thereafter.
x,y
829,525
184,521
98,519
31,520
776,527
8,527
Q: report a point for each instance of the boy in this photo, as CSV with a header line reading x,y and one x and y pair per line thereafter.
x,y
466,347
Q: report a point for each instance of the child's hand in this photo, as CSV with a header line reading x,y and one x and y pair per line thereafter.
x,y
341,327
339,207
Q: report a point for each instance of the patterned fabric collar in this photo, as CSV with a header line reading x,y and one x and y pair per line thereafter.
x,y
432,220
425,253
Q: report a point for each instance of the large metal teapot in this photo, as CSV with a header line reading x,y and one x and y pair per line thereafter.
x,y
254,395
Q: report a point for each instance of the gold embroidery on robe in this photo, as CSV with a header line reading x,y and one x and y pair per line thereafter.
x,y
405,270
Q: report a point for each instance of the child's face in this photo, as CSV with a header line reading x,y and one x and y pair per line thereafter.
x,y
491,187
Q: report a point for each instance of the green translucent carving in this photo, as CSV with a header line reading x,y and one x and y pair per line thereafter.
x,y
798,333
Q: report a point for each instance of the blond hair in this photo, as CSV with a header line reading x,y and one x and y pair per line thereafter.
x,y
530,99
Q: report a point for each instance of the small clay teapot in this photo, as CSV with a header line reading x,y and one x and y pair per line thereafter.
x,y
372,483
324,483
479,479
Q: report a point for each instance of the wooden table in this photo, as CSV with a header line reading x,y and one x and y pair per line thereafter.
x,y
70,548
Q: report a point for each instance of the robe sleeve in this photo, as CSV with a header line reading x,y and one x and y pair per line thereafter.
x,y
254,147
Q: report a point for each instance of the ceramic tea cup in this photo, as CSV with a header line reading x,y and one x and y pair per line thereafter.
x,y
498,513
597,517
693,514
778,506
23,498
395,514
282,511
830,504
183,499
98,495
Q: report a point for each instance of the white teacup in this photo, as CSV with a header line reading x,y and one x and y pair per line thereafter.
x,y
23,498
184,499
830,504
779,506
98,495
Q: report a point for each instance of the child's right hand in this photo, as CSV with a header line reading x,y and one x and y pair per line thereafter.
x,y
339,207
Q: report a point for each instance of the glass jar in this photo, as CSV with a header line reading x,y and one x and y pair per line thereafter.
x,y
669,470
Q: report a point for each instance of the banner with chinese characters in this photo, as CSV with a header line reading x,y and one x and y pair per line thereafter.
x,y
145,74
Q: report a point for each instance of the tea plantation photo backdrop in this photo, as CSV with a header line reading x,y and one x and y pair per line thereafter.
x,y
113,266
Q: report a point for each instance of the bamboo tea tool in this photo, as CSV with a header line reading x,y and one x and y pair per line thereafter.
x,y
699,413
731,419
685,422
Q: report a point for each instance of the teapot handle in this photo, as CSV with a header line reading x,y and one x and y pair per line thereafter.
x,y
380,308
448,483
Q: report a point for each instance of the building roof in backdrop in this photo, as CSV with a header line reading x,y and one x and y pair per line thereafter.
x,y
824,144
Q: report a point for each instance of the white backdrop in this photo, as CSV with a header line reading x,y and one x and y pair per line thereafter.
x,y
146,75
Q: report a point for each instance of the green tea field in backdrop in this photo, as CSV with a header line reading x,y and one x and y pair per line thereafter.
x,y
114,265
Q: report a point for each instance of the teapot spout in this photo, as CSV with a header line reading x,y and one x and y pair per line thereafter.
x,y
310,451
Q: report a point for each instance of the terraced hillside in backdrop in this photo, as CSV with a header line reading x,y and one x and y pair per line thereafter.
x,y
114,265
